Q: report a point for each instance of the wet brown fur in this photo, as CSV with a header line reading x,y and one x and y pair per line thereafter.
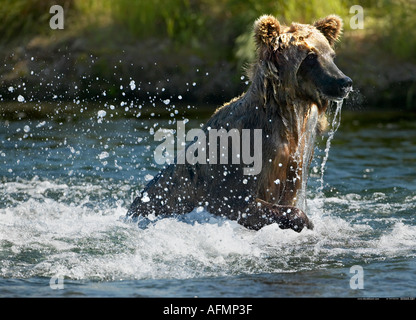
x,y
273,104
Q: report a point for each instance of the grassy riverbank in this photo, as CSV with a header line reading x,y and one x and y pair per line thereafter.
x,y
193,49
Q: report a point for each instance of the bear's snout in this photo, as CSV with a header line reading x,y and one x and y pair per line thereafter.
x,y
345,85
336,88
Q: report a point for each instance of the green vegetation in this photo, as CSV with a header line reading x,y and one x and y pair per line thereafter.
x,y
196,22
214,30
24,18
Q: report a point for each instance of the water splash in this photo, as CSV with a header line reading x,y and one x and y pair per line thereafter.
x,y
69,225
307,144
336,121
43,237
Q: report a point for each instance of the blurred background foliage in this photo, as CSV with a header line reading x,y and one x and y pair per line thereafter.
x,y
196,22
215,30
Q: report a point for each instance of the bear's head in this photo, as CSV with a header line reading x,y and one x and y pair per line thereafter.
x,y
301,57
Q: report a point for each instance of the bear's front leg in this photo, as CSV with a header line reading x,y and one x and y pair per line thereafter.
x,y
262,213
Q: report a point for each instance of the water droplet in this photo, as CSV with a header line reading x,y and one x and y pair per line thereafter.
x,y
103,155
145,198
132,85
101,113
41,124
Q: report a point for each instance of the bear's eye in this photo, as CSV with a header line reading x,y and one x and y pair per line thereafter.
x,y
311,56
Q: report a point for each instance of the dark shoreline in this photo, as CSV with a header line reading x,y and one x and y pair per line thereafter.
x,y
79,68
70,111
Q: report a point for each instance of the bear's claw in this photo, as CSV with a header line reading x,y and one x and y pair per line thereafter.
x,y
286,216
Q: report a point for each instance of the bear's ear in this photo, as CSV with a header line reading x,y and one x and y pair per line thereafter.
x,y
331,27
266,29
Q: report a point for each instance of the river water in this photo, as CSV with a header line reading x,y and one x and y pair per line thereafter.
x,y
67,182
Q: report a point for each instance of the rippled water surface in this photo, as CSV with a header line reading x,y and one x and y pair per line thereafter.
x,y
66,184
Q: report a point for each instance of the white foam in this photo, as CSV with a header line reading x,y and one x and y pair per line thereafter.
x,y
42,235
401,238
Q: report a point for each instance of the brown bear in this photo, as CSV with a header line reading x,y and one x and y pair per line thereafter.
x,y
292,82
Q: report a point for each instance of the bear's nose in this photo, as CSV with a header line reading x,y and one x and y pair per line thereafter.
x,y
346,83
